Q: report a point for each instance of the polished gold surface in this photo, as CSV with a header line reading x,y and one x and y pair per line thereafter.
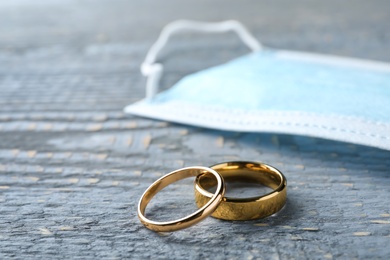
x,y
244,208
205,210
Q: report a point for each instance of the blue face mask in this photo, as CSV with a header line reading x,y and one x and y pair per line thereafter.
x,y
275,91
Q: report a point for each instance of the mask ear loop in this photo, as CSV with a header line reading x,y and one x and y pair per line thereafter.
x,y
153,70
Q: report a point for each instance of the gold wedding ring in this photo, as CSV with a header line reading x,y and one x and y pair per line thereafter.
x,y
244,208
205,210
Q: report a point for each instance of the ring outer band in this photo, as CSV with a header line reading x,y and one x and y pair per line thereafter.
x,y
204,211
246,208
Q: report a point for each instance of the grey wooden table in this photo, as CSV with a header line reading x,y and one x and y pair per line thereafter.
x,y
73,166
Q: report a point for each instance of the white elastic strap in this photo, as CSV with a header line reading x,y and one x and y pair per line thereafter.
x,y
153,70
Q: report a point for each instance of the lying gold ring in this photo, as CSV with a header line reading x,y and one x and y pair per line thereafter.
x,y
205,210
244,208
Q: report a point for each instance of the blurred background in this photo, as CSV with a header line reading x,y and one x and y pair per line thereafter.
x,y
67,33
355,28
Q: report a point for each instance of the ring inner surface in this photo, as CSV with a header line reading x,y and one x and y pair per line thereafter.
x,y
242,172
170,179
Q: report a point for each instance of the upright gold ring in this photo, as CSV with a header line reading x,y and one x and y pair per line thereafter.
x,y
205,210
244,208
